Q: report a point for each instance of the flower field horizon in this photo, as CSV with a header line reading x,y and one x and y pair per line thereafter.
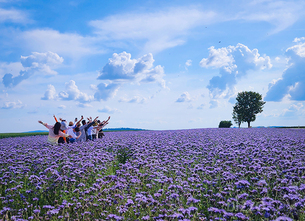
x,y
195,174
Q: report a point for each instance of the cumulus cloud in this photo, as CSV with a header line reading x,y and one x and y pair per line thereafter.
x,y
292,82
185,97
35,63
109,110
42,60
233,63
50,93
122,69
73,93
119,67
106,91
13,15
10,81
12,105
62,107
154,75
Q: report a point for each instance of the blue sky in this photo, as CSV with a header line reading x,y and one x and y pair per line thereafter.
x,y
150,64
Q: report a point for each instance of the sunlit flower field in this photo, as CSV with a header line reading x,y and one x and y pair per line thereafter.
x,y
199,174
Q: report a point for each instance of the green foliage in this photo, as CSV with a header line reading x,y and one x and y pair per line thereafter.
x,y
248,105
123,154
225,124
6,135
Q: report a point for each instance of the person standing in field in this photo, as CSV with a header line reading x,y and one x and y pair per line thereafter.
x,y
99,128
84,128
63,128
54,132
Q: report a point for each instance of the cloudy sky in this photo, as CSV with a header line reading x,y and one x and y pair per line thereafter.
x,y
150,64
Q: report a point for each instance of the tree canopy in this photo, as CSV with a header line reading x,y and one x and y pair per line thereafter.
x,y
248,105
225,124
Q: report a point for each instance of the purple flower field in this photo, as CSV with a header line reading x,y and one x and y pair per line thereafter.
x,y
199,174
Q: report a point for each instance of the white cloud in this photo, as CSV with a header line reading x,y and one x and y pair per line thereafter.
x,y
50,93
36,63
62,107
185,97
281,14
296,40
12,105
292,82
49,58
12,68
218,58
73,93
170,27
119,67
154,75
109,110
106,91
122,69
188,63
13,15
233,62
160,30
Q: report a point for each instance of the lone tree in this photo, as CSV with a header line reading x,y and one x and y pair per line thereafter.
x,y
248,104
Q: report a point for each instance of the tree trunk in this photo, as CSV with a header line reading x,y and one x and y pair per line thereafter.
x,y
249,124
239,124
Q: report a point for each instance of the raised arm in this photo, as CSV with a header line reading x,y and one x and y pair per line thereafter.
x,y
104,125
79,120
55,118
45,124
107,120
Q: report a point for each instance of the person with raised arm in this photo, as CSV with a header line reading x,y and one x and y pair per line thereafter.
x,y
63,128
84,127
54,132
100,126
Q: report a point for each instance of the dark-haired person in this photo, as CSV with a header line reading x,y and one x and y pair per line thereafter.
x,y
63,128
83,129
54,132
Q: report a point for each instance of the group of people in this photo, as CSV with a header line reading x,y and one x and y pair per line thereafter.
x,y
77,131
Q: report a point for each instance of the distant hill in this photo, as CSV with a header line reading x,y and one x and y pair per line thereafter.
x,y
36,131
